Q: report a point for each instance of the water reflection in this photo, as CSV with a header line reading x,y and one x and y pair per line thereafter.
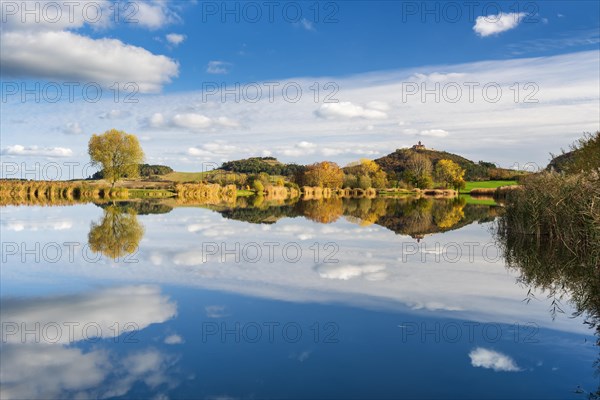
x,y
407,216
563,272
61,346
382,279
117,234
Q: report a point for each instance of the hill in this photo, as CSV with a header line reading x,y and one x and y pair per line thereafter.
x,y
397,163
255,165
146,171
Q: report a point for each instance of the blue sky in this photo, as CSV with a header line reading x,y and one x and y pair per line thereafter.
x,y
365,55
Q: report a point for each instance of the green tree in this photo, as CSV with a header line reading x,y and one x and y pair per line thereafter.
x,y
424,182
450,174
118,153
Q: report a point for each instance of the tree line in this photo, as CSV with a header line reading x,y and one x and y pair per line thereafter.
x,y
120,156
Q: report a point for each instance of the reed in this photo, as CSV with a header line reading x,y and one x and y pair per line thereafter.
x,y
550,232
13,192
205,193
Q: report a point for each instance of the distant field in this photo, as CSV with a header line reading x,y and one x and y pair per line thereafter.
x,y
486,185
185,176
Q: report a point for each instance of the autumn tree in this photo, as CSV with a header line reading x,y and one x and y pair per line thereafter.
x,y
367,171
450,174
350,181
364,182
118,153
418,171
325,174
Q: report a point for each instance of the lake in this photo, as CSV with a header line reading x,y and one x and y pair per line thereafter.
x,y
339,298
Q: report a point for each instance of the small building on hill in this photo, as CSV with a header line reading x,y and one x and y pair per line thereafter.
x,y
418,146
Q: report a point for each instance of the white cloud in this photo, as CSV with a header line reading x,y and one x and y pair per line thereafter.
x,y
43,44
491,359
299,149
69,56
306,145
438,77
190,122
175,38
72,128
306,24
378,105
115,114
345,272
580,38
226,122
211,149
216,311
304,356
336,151
218,67
56,15
154,14
35,225
304,148
496,24
189,258
18,150
174,339
156,120
347,109
440,133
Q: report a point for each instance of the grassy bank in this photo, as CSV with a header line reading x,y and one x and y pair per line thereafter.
x,y
551,234
485,185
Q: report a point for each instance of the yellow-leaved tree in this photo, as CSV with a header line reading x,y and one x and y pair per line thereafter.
x,y
450,174
325,174
119,154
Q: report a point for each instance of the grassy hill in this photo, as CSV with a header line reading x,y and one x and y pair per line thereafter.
x,y
255,165
184,176
396,162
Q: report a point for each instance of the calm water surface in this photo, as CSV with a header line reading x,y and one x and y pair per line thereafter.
x,y
353,299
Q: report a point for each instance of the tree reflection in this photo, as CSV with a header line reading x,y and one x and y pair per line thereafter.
x,y
407,216
323,211
117,234
559,268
